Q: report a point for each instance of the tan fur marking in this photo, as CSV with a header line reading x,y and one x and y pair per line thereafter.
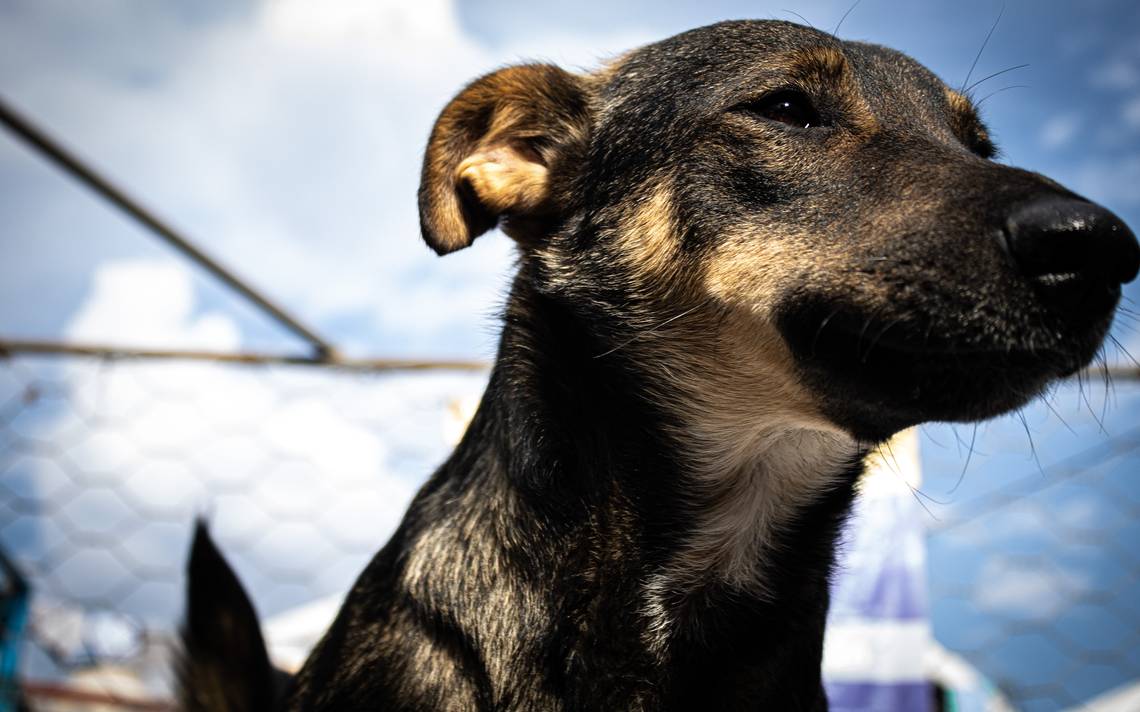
x,y
825,70
959,104
650,235
964,116
607,69
504,180
826,62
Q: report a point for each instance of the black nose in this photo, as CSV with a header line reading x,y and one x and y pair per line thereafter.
x,y
1072,250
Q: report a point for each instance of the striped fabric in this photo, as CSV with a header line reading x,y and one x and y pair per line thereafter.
x,y
879,633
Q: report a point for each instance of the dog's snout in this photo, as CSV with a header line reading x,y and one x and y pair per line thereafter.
x,y
1071,249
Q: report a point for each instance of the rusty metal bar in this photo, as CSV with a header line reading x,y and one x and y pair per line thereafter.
x,y
13,347
71,164
47,692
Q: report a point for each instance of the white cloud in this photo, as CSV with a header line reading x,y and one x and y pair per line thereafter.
x,y
1112,182
148,303
1059,131
1131,113
371,32
1118,73
1024,592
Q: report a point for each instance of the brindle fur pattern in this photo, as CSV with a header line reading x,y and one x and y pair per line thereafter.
x,y
643,512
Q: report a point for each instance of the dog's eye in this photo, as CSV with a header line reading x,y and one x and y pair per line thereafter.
x,y
789,107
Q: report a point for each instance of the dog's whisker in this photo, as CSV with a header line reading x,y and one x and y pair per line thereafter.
x,y
927,332
835,32
648,332
1108,384
1130,328
919,495
969,455
931,438
862,335
958,441
822,324
1029,435
1080,375
796,14
894,461
931,498
879,337
1106,377
1084,393
1122,349
992,76
981,101
1053,410
982,49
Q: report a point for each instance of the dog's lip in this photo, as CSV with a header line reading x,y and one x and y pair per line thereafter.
x,y
876,377
878,336
855,338
868,335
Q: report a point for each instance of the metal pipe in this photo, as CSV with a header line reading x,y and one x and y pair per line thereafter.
x,y
14,347
82,172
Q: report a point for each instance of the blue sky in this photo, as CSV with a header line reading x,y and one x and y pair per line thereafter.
x,y
286,139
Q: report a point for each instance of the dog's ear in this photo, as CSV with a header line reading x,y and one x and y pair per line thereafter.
x,y
224,664
492,152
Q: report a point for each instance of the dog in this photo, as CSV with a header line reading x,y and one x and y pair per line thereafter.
x,y
748,254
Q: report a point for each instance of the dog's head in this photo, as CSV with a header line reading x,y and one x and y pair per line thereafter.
x,y
759,203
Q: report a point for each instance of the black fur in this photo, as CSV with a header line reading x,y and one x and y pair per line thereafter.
x,y
225,665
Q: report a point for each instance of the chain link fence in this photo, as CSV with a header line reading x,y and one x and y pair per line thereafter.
x,y
1033,559
304,471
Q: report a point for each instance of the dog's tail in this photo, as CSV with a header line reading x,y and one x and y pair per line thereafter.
x,y
224,665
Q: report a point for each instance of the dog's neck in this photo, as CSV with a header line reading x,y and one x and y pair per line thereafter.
x,y
714,526
755,450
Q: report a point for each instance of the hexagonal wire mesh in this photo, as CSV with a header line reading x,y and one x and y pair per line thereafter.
x,y
1034,571
103,467
304,471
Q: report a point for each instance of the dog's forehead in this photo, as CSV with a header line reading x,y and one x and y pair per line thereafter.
x,y
882,71
725,41
713,65
708,59
898,87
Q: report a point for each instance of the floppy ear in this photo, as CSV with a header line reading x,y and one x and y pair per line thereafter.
x,y
492,151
